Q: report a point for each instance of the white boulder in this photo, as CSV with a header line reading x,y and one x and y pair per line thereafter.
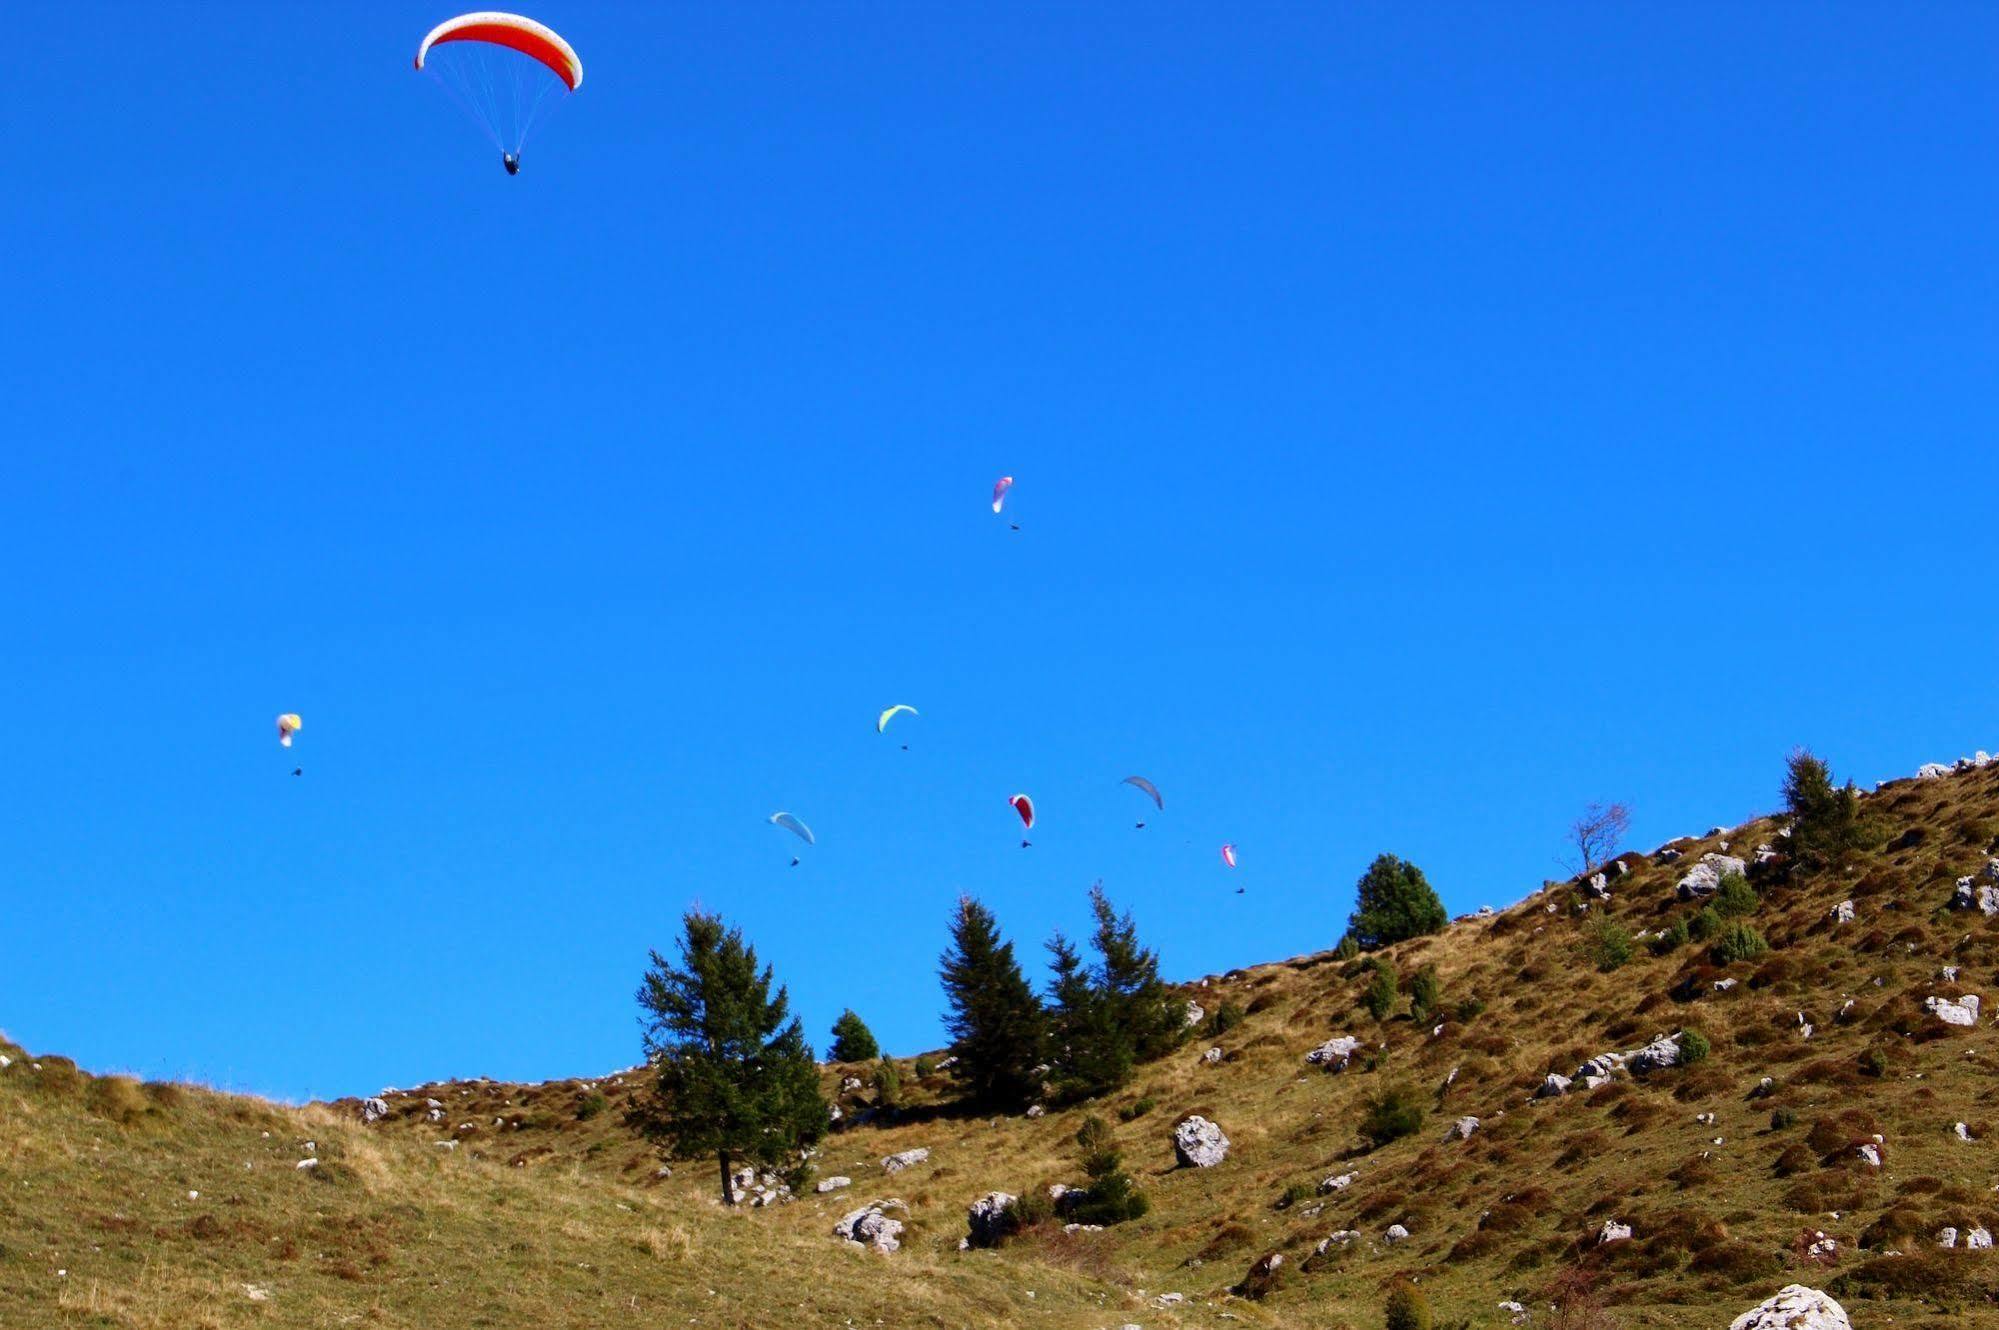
x,y
1794,1308
1335,1053
1963,1011
1199,1143
1704,878
870,1227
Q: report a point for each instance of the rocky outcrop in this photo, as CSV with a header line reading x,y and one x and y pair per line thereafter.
x,y
1196,1013
1661,1053
1394,1233
1612,1231
374,1110
1554,1085
987,1218
1704,878
1335,1053
1794,1308
1982,896
895,1163
1841,913
836,1183
1962,1011
1461,1130
1199,1143
871,1227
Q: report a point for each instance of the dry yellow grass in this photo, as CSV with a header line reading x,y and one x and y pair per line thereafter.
x,y
552,1215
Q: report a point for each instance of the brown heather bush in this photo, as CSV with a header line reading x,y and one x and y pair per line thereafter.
x,y
116,1099
1793,1160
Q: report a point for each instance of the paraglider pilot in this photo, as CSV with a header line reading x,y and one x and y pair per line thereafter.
x,y
512,162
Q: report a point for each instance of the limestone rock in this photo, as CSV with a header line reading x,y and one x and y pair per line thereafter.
x,y
1612,1231
1199,1143
895,1163
1660,1053
987,1218
835,1183
1794,1307
1963,1011
1704,878
1335,1053
1462,1129
870,1227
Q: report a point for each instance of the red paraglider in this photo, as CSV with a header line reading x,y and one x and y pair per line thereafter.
x,y
1228,855
1025,807
498,67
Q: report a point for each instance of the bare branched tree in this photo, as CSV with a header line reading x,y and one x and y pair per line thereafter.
x,y
1597,834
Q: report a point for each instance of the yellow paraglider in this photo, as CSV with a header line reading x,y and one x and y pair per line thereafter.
x,y
881,721
288,725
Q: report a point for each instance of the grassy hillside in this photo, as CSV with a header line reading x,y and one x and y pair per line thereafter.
x,y
167,1206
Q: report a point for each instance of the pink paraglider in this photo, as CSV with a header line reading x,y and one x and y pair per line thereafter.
x,y
1228,855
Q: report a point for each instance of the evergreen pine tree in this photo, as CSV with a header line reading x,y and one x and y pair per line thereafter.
x,y
1827,823
1393,901
733,1075
1092,1053
996,1024
1111,1197
852,1040
1128,975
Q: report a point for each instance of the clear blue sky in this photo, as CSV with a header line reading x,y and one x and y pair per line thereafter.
x,y
1426,419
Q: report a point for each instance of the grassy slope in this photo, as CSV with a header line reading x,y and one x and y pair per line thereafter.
x,y
558,1220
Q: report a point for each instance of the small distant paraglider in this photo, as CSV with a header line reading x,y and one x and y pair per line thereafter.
x,y
881,721
1151,792
1228,855
793,825
288,725
1000,487
1025,807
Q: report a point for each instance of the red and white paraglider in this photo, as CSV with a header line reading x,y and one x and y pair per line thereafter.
x,y
505,70
1228,855
1025,807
